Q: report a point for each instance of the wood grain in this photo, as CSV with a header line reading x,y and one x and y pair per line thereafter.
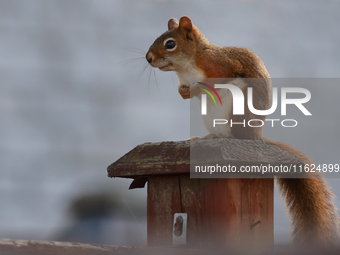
x,y
220,212
168,158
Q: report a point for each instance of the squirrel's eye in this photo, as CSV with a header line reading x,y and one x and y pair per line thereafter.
x,y
170,45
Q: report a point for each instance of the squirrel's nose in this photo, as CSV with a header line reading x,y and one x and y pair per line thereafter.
x,y
149,57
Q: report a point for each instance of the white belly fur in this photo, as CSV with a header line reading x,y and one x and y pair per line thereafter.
x,y
190,76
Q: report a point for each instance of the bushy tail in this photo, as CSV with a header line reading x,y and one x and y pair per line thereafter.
x,y
310,203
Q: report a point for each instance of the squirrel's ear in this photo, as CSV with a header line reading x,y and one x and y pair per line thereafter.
x,y
172,23
185,23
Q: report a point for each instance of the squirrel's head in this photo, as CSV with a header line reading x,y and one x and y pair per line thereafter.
x,y
175,49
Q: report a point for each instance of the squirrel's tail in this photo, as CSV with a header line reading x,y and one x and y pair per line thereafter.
x,y
310,203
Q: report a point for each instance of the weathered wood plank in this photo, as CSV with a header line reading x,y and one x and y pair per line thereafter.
x,y
29,247
153,159
163,202
26,247
221,212
167,158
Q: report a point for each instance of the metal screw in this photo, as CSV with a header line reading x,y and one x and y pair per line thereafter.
x,y
255,224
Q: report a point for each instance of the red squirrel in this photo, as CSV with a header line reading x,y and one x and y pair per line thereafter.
x,y
185,50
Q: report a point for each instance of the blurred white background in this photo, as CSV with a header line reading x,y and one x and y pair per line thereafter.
x,y
74,97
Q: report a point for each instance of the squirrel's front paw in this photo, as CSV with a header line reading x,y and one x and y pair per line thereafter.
x,y
184,91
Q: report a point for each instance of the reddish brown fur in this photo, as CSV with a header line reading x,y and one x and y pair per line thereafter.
x,y
309,200
310,203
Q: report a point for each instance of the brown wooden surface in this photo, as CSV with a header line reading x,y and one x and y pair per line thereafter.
x,y
166,158
220,212
153,159
27,247
162,202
